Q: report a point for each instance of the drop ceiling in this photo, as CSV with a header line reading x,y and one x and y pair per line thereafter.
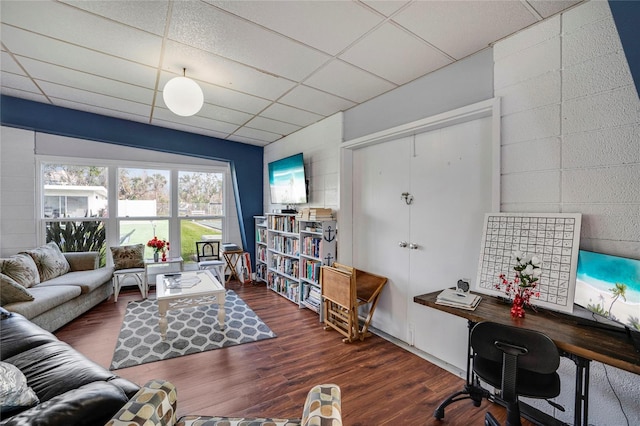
x,y
267,68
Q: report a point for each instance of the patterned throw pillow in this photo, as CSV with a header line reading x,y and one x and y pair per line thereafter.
x,y
50,261
15,395
11,291
126,257
21,268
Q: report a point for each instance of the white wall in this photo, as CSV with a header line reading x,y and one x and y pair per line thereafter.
x,y
571,143
17,190
19,151
320,144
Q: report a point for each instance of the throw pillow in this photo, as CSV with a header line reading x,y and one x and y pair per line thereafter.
x,y
21,268
11,291
126,257
4,314
14,393
50,261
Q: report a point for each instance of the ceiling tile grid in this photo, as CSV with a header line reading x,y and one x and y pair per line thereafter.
x,y
267,68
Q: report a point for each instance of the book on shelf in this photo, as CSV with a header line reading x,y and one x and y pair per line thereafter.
x,y
453,298
315,213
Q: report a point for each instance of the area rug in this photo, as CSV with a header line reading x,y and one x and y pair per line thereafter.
x,y
191,330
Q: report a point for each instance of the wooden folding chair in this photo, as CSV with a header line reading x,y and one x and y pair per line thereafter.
x,y
344,290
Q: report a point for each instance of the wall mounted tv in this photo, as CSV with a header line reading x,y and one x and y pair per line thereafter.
x,y
287,182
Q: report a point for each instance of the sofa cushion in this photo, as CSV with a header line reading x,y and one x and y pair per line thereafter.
x,y
50,261
19,335
21,268
55,368
86,280
11,291
127,257
91,404
44,298
15,394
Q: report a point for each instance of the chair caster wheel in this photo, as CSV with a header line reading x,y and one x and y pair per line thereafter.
x,y
439,413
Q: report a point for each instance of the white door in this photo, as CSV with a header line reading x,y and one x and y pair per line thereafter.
x,y
448,172
451,182
380,222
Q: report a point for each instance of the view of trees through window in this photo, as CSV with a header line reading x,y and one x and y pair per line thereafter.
x,y
144,207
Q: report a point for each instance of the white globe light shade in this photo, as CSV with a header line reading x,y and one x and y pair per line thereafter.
x,y
183,96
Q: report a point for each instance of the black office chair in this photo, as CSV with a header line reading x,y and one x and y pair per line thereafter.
x,y
519,362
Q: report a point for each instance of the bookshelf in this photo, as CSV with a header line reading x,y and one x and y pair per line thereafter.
x,y
289,253
283,255
261,248
317,247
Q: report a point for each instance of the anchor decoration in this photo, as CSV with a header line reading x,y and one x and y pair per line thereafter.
x,y
330,234
328,260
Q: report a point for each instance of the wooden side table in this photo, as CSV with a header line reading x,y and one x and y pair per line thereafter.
x,y
231,257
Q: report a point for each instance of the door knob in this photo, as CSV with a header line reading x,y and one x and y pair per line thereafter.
x,y
413,246
402,244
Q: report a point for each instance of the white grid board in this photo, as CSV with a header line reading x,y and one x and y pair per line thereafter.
x,y
553,237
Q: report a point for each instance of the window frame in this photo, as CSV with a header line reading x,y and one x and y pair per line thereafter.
x,y
112,222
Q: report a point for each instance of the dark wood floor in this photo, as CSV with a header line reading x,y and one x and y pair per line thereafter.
x,y
382,384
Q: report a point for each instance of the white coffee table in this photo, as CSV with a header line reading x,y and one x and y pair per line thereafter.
x,y
197,288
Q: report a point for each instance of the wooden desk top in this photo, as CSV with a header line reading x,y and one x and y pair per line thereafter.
x,y
609,347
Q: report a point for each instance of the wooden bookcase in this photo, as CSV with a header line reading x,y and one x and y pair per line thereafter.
x,y
289,254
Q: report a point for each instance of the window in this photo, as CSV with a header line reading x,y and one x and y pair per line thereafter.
x,y
200,210
173,203
71,194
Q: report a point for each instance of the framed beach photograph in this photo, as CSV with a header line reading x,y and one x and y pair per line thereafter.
x,y
609,286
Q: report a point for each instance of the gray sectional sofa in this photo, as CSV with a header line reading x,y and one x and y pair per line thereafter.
x,y
62,287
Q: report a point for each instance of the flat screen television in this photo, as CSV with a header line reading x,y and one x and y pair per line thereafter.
x,y
609,287
287,181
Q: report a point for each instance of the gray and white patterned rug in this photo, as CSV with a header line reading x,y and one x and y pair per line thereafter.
x,y
191,330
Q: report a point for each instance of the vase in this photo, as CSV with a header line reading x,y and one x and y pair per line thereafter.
x,y
155,256
517,307
164,256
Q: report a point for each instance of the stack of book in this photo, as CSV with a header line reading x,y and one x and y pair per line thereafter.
x,y
451,297
313,299
315,213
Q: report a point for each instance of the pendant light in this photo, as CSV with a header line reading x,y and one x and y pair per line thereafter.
x,y
183,96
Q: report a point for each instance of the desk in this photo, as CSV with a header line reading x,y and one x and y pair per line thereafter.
x,y
582,344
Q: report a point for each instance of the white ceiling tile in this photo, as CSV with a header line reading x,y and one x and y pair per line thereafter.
x,y
206,66
125,115
329,26
26,44
347,81
91,98
194,121
190,129
83,29
386,7
291,115
273,126
310,99
249,141
257,134
460,28
547,8
18,82
37,97
216,95
216,112
8,64
393,46
206,27
148,15
42,71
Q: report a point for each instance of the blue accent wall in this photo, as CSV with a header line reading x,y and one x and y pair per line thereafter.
x,y
246,161
626,14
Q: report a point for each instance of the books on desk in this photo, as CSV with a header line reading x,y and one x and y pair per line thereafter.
x,y
450,297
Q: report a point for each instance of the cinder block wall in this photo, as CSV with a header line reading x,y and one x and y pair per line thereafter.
x,y
571,143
